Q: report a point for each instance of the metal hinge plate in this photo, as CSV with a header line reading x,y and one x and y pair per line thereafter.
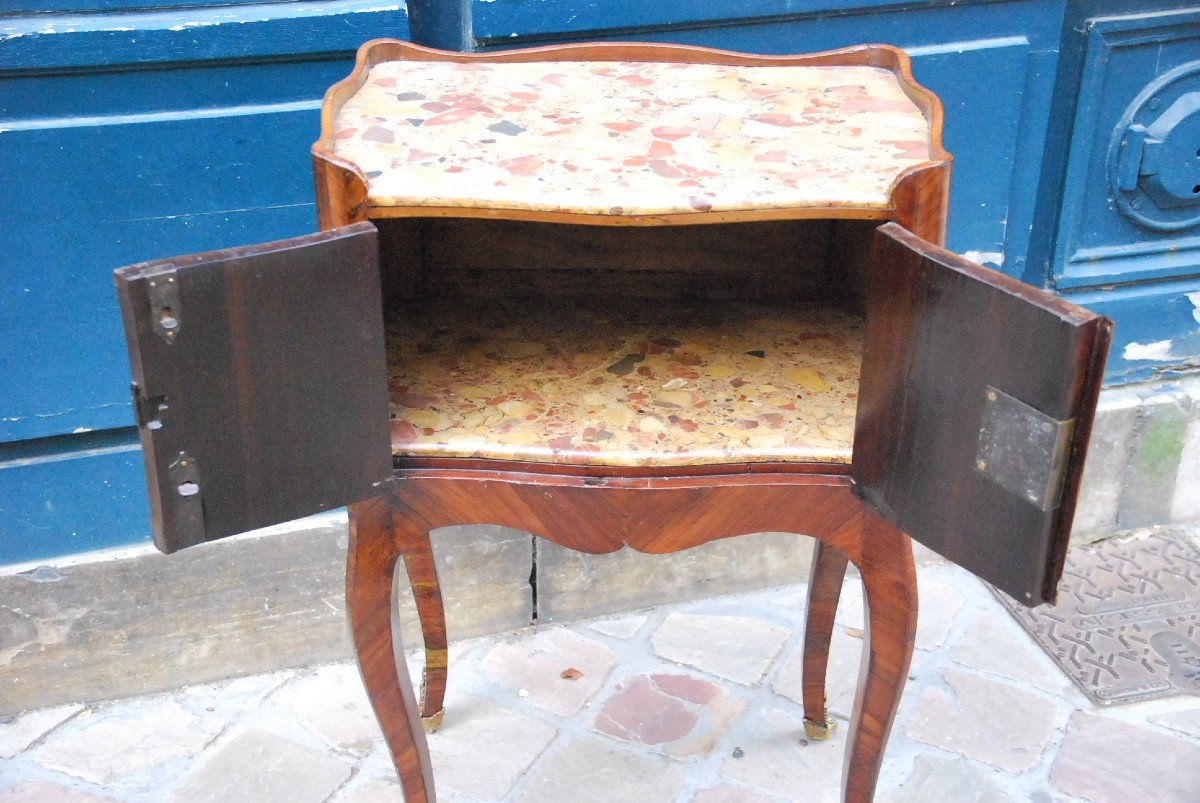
x,y
184,475
1022,449
165,314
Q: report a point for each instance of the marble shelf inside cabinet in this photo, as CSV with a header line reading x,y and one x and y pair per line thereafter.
x,y
630,138
623,384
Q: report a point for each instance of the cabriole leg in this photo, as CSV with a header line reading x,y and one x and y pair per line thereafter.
x,y
824,587
370,605
423,577
890,602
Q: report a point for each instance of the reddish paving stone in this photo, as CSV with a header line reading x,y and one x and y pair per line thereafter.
x,y
685,687
1107,761
641,712
1004,726
682,715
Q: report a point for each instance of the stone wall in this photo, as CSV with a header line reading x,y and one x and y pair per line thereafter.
x,y
1143,461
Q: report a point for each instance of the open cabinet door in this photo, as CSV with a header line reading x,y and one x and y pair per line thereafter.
x,y
976,401
259,382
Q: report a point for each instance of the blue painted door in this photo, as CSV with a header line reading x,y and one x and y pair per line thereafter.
x,y
151,129
1127,241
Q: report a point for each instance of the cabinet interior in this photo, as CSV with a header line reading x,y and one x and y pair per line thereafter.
x,y
624,345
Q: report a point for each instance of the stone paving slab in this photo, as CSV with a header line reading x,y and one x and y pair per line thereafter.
x,y
20,732
263,767
987,718
1111,762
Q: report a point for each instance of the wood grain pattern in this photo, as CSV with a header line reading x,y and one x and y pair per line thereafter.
x,y
417,552
824,588
371,609
651,514
920,199
274,372
341,190
402,260
784,260
940,329
889,581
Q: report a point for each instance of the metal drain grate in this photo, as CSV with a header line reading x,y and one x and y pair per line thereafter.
x,y
1127,624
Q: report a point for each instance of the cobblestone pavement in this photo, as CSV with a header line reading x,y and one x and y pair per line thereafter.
x,y
690,702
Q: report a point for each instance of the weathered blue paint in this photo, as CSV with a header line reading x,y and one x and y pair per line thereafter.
x,y
1098,242
124,136
71,494
1158,328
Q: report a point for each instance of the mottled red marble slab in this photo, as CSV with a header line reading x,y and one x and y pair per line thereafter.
x,y
624,384
630,138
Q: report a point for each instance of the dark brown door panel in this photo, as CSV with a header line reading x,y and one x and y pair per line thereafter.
x,y
976,402
260,382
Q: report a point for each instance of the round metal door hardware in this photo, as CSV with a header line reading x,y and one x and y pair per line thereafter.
x,y
1154,156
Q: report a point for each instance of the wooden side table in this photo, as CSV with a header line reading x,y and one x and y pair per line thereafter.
x,y
632,295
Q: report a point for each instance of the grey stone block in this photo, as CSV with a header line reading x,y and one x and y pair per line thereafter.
x,y
484,573
1108,455
1186,504
150,622
1154,463
573,585
134,625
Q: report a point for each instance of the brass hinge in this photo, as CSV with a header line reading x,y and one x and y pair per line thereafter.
x,y
1022,449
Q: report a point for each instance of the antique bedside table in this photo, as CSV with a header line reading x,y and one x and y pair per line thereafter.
x,y
616,295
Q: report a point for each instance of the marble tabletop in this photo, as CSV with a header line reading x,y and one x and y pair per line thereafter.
x,y
630,138
624,384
